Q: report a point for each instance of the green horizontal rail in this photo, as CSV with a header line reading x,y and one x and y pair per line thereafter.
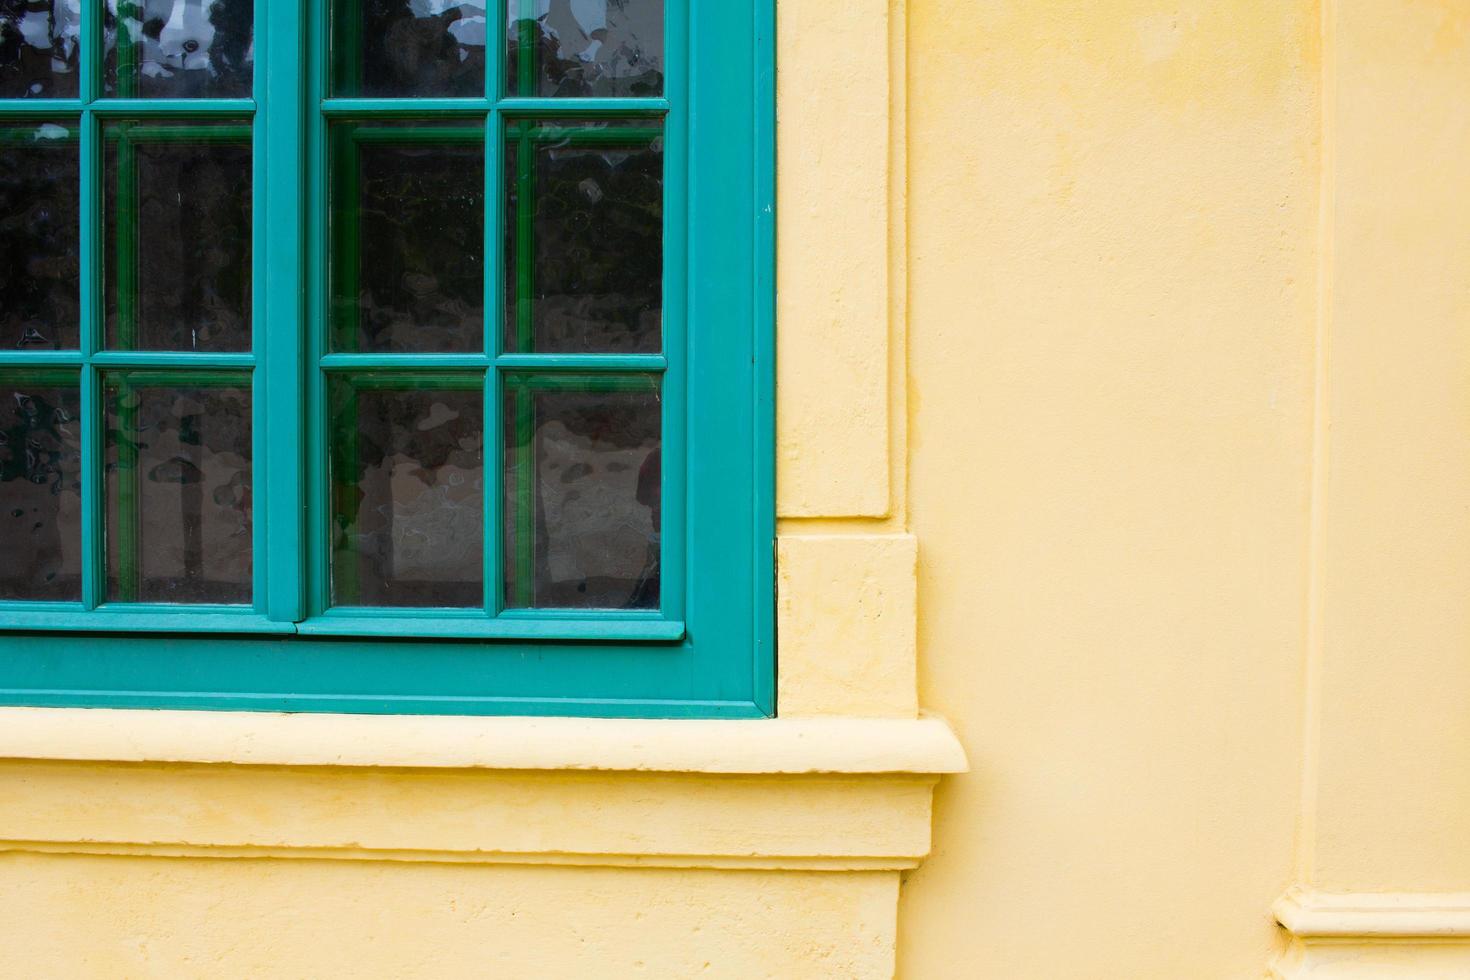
x,y
49,376
405,362
173,359
182,132
596,383
414,381
135,108
26,108
171,377
40,358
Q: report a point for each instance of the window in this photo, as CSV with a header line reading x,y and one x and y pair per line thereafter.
x,y
379,356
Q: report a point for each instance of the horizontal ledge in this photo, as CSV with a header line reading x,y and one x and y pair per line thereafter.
x,y
1374,915
722,862
484,628
773,746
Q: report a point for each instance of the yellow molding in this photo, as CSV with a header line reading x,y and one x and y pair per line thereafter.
x,y
1399,915
771,746
844,822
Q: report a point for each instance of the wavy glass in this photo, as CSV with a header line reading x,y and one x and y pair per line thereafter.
x,y
179,49
40,48
401,48
596,48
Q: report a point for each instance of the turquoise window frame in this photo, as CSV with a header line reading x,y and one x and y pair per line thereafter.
x,y
710,649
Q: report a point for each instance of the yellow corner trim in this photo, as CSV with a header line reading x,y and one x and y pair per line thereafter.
x,y
772,746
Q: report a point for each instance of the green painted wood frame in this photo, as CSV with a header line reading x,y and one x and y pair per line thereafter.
x,y
708,652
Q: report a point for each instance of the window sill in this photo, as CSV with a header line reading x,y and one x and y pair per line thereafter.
x,y
776,746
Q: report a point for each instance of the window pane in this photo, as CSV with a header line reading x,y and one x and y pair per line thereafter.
x,y
178,488
179,49
40,302
389,48
610,48
408,234
408,490
39,43
40,486
582,492
177,261
584,236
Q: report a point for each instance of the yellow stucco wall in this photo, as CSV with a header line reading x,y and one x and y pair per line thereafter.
x,y
1124,403
1112,223
1190,475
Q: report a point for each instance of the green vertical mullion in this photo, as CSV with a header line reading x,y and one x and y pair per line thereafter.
x,y
674,580
279,314
526,48
317,322
127,66
89,70
93,576
493,459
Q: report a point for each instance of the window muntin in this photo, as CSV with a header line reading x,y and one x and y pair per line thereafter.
x,y
569,406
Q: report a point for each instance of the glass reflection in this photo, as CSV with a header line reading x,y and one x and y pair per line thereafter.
x,y
584,237
40,486
607,48
407,486
40,41
180,49
178,465
408,236
40,259
392,48
583,495
177,269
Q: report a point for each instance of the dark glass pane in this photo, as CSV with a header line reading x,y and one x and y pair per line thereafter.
x,y
177,244
39,45
179,49
584,236
408,234
179,488
408,490
607,48
40,486
40,258
582,492
391,48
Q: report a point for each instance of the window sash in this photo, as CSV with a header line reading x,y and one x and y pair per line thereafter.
x,y
726,502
